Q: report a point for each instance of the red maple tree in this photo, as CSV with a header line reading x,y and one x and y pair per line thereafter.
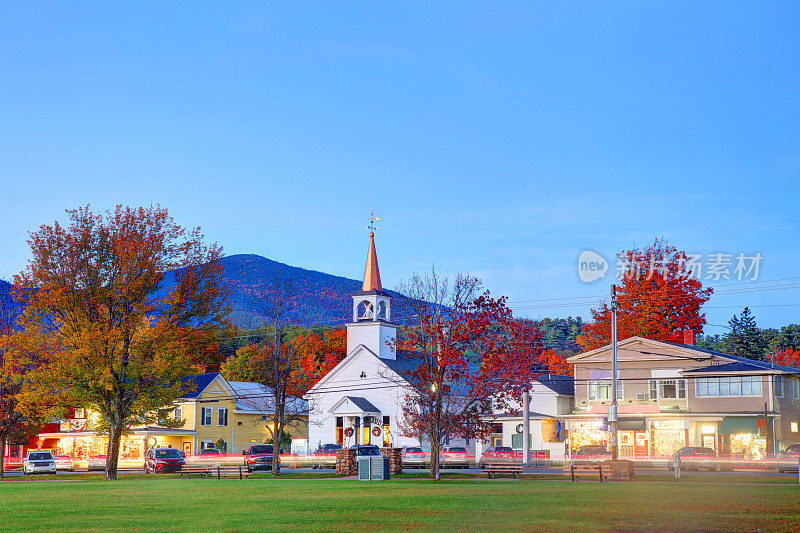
x,y
469,360
787,357
658,298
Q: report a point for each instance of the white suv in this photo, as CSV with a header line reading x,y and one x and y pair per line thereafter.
x,y
38,462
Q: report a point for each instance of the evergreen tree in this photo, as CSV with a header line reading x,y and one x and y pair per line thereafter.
x,y
744,338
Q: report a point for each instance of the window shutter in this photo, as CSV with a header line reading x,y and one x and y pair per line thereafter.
x,y
226,417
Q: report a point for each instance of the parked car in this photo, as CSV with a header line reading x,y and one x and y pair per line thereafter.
x,y
454,457
97,462
325,455
259,457
65,462
38,462
788,458
590,453
159,460
365,450
208,455
499,454
695,458
413,456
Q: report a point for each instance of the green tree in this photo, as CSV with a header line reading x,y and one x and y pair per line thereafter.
x,y
744,338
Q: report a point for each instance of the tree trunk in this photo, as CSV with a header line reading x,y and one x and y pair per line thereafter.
x,y
435,460
277,436
112,458
2,454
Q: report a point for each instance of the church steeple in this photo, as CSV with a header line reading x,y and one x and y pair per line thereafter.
x,y
372,275
372,309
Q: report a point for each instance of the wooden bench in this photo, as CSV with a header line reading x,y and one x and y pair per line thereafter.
x,y
218,471
576,471
495,467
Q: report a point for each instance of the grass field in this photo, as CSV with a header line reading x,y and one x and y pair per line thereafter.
x,y
403,504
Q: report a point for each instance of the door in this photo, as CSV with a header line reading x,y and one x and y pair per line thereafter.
x,y
626,443
640,444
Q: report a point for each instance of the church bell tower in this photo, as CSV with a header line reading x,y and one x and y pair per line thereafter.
x,y
372,311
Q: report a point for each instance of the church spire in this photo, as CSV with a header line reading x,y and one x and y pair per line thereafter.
x,y
372,275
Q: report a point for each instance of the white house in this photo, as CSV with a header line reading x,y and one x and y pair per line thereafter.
x,y
552,397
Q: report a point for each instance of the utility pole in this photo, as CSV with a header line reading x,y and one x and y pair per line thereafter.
x,y
612,411
526,426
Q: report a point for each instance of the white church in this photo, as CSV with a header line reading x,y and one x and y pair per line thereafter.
x,y
360,401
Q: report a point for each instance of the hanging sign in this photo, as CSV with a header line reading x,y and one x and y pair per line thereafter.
x,y
519,429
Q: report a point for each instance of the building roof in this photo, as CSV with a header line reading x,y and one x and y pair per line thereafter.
x,y
563,385
363,404
372,275
753,364
404,362
199,382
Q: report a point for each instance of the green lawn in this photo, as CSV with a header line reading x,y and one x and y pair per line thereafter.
x,y
403,504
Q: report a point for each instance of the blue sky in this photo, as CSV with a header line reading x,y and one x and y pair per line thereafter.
x,y
499,138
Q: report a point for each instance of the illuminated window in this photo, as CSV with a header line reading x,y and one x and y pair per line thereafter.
x,y
794,427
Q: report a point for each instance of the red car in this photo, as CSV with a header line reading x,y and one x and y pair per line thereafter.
x,y
160,460
259,457
325,455
499,454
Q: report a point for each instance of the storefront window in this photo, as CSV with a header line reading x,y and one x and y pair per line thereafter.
x,y
748,446
584,433
667,436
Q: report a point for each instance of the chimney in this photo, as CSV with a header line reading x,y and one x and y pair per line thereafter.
x,y
688,337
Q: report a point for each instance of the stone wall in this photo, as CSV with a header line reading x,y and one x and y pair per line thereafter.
x,y
346,464
395,459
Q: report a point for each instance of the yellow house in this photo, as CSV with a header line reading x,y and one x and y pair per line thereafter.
x,y
232,411
212,409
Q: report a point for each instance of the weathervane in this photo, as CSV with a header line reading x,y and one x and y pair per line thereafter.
x,y
372,219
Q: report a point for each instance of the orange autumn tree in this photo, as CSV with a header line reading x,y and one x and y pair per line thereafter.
x,y
787,357
657,298
321,354
122,301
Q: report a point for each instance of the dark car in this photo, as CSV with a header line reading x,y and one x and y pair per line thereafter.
x,y
414,456
325,455
159,460
499,454
366,450
259,457
788,459
590,453
695,458
454,457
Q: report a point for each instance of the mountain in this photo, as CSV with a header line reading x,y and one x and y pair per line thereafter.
x,y
319,298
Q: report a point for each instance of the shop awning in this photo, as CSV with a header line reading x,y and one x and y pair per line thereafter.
x,y
732,425
631,424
